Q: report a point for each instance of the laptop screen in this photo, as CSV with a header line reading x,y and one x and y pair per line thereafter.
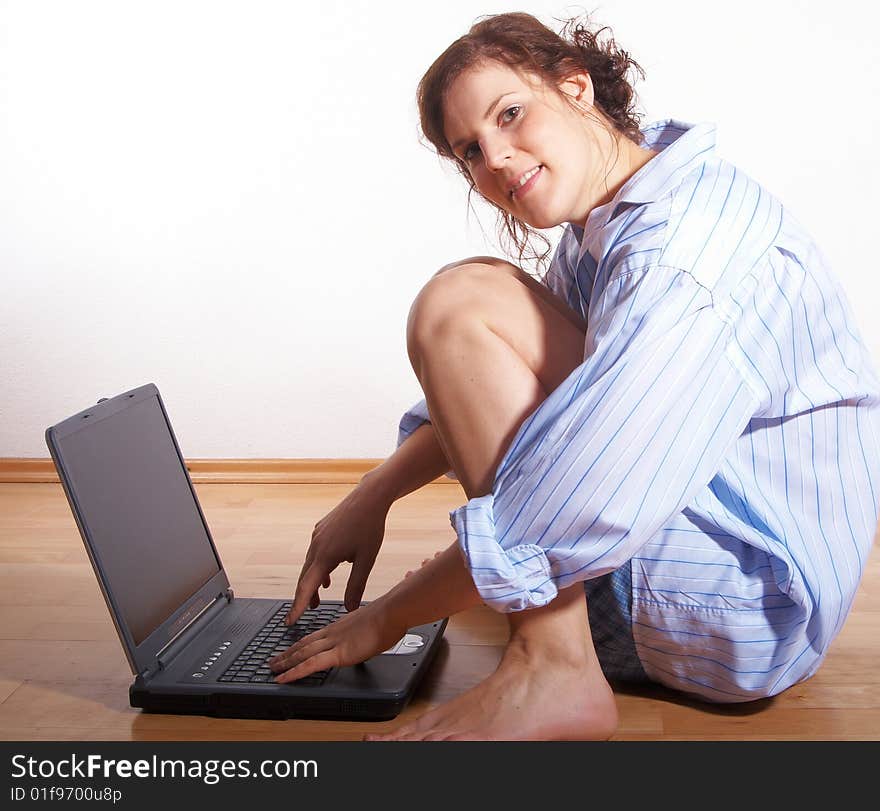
x,y
135,500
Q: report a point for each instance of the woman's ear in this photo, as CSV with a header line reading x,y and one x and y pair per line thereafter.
x,y
580,87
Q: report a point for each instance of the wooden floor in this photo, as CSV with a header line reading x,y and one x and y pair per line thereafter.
x,y
63,675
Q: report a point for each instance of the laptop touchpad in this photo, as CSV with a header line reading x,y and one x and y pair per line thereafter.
x,y
410,643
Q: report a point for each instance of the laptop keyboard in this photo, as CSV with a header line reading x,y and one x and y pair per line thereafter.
x,y
251,665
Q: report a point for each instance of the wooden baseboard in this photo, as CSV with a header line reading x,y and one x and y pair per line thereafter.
x,y
224,471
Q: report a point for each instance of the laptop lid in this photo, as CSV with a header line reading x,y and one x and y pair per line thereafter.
x,y
143,528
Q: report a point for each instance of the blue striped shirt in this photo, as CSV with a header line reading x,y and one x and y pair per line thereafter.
x,y
720,437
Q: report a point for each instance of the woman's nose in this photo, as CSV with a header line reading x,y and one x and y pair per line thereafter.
x,y
496,152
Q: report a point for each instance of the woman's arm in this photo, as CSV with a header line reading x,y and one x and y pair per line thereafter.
x,y
418,461
440,588
353,531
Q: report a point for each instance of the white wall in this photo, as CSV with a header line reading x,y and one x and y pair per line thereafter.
x,y
230,199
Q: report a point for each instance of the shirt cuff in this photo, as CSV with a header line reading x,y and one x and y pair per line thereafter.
x,y
508,580
413,418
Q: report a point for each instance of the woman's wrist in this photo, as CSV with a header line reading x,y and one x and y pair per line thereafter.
x,y
392,613
443,586
418,460
375,486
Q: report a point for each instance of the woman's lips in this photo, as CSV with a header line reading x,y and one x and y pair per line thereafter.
x,y
519,191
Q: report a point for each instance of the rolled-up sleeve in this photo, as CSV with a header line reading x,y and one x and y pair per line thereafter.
x,y
623,444
412,419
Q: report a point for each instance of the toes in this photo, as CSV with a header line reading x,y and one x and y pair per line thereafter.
x,y
439,736
426,561
393,736
417,729
413,736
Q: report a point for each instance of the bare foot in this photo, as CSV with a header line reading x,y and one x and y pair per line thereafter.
x,y
526,698
424,562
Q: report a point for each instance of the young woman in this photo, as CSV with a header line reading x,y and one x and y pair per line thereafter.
x,y
669,447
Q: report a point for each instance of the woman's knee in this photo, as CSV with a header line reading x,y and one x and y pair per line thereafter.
x,y
483,261
456,292
490,294
488,264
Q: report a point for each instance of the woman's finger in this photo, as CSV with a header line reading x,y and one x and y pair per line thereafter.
x,y
323,660
357,582
306,592
300,650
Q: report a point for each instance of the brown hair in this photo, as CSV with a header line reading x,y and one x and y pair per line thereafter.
x,y
522,43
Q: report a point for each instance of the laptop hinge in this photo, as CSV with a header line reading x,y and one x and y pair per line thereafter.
x,y
191,631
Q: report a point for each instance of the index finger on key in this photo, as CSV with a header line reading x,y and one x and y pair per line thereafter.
x,y
306,591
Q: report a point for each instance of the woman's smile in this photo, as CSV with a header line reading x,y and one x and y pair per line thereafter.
x,y
526,182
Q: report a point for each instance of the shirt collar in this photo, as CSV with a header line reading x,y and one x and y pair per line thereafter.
x,y
681,147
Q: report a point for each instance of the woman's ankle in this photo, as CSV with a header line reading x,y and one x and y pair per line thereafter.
x,y
558,632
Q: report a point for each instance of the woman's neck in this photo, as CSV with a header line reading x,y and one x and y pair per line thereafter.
x,y
630,158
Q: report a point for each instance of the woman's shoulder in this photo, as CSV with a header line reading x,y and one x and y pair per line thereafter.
x,y
721,220
715,224
689,208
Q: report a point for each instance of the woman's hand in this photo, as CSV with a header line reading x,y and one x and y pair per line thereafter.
x,y
352,639
441,587
353,531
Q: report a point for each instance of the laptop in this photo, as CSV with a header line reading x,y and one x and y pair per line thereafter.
x,y
193,646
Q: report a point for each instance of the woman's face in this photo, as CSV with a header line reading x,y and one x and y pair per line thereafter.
x,y
526,149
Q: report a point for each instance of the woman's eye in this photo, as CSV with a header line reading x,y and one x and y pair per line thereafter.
x,y
511,113
471,152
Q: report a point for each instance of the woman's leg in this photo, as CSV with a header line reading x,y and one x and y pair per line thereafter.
x,y
488,348
488,344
